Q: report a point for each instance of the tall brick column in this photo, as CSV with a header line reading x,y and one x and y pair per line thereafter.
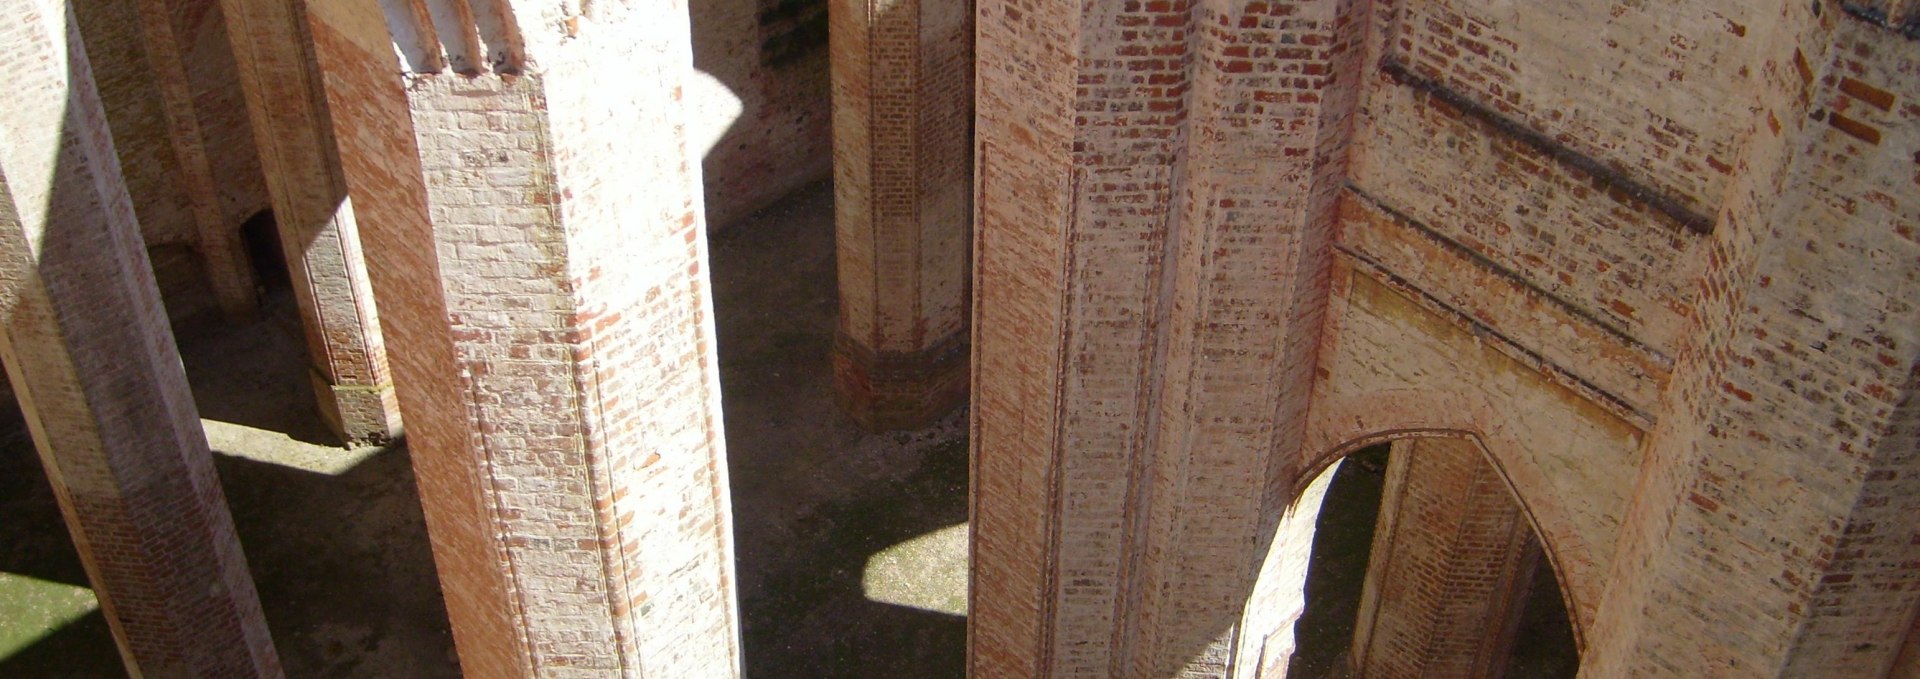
x,y
88,351
534,231
1772,533
1453,562
315,217
168,28
150,97
902,179
1155,188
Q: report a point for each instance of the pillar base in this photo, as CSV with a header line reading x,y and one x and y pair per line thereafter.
x,y
361,415
891,391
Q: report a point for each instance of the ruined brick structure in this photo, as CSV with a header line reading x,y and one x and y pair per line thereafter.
x,y
1632,288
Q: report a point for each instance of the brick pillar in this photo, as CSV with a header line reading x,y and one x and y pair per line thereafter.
x,y
168,26
316,219
902,169
535,234
149,96
1453,562
88,351
1773,530
1155,190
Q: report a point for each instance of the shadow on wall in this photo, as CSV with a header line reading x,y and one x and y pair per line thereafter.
x,y
759,110
50,623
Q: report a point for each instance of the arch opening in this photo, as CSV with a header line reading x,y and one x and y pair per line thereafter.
x,y
1408,554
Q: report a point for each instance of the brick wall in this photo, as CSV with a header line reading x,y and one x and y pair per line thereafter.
x,y
221,110
1393,365
770,56
212,122
1452,563
1785,460
1648,89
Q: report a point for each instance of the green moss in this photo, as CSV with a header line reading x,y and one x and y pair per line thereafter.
x,y
32,609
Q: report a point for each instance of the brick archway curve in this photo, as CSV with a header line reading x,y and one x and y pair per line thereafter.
x,y
1340,426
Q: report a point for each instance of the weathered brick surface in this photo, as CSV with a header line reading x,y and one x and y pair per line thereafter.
x,y
1133,291
92,361
318,233
1395,366
381,165
1779,486
1279,598
199,91
1565,231
1274,93
1650,89
1554,231
1453,558
167,79
902,203
1533,325
220,109
759,118
130,91
575,471
1613,259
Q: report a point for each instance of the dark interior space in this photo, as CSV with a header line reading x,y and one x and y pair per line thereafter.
x,y
261,234
1342,544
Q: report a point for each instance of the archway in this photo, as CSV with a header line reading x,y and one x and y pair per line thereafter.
x,y
1408,554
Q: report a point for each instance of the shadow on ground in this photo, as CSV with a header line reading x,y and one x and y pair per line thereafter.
x,y
815,497
339,551
334,538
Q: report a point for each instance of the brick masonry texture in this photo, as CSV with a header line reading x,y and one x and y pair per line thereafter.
x,y
382,166
579,478
770,56
169,83
1140,305
187,46
316,219
1453,558
902,203
88,350
1539,236
1803,383
1396,367
1657,260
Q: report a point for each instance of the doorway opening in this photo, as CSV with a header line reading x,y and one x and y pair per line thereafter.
x,y
1422,563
